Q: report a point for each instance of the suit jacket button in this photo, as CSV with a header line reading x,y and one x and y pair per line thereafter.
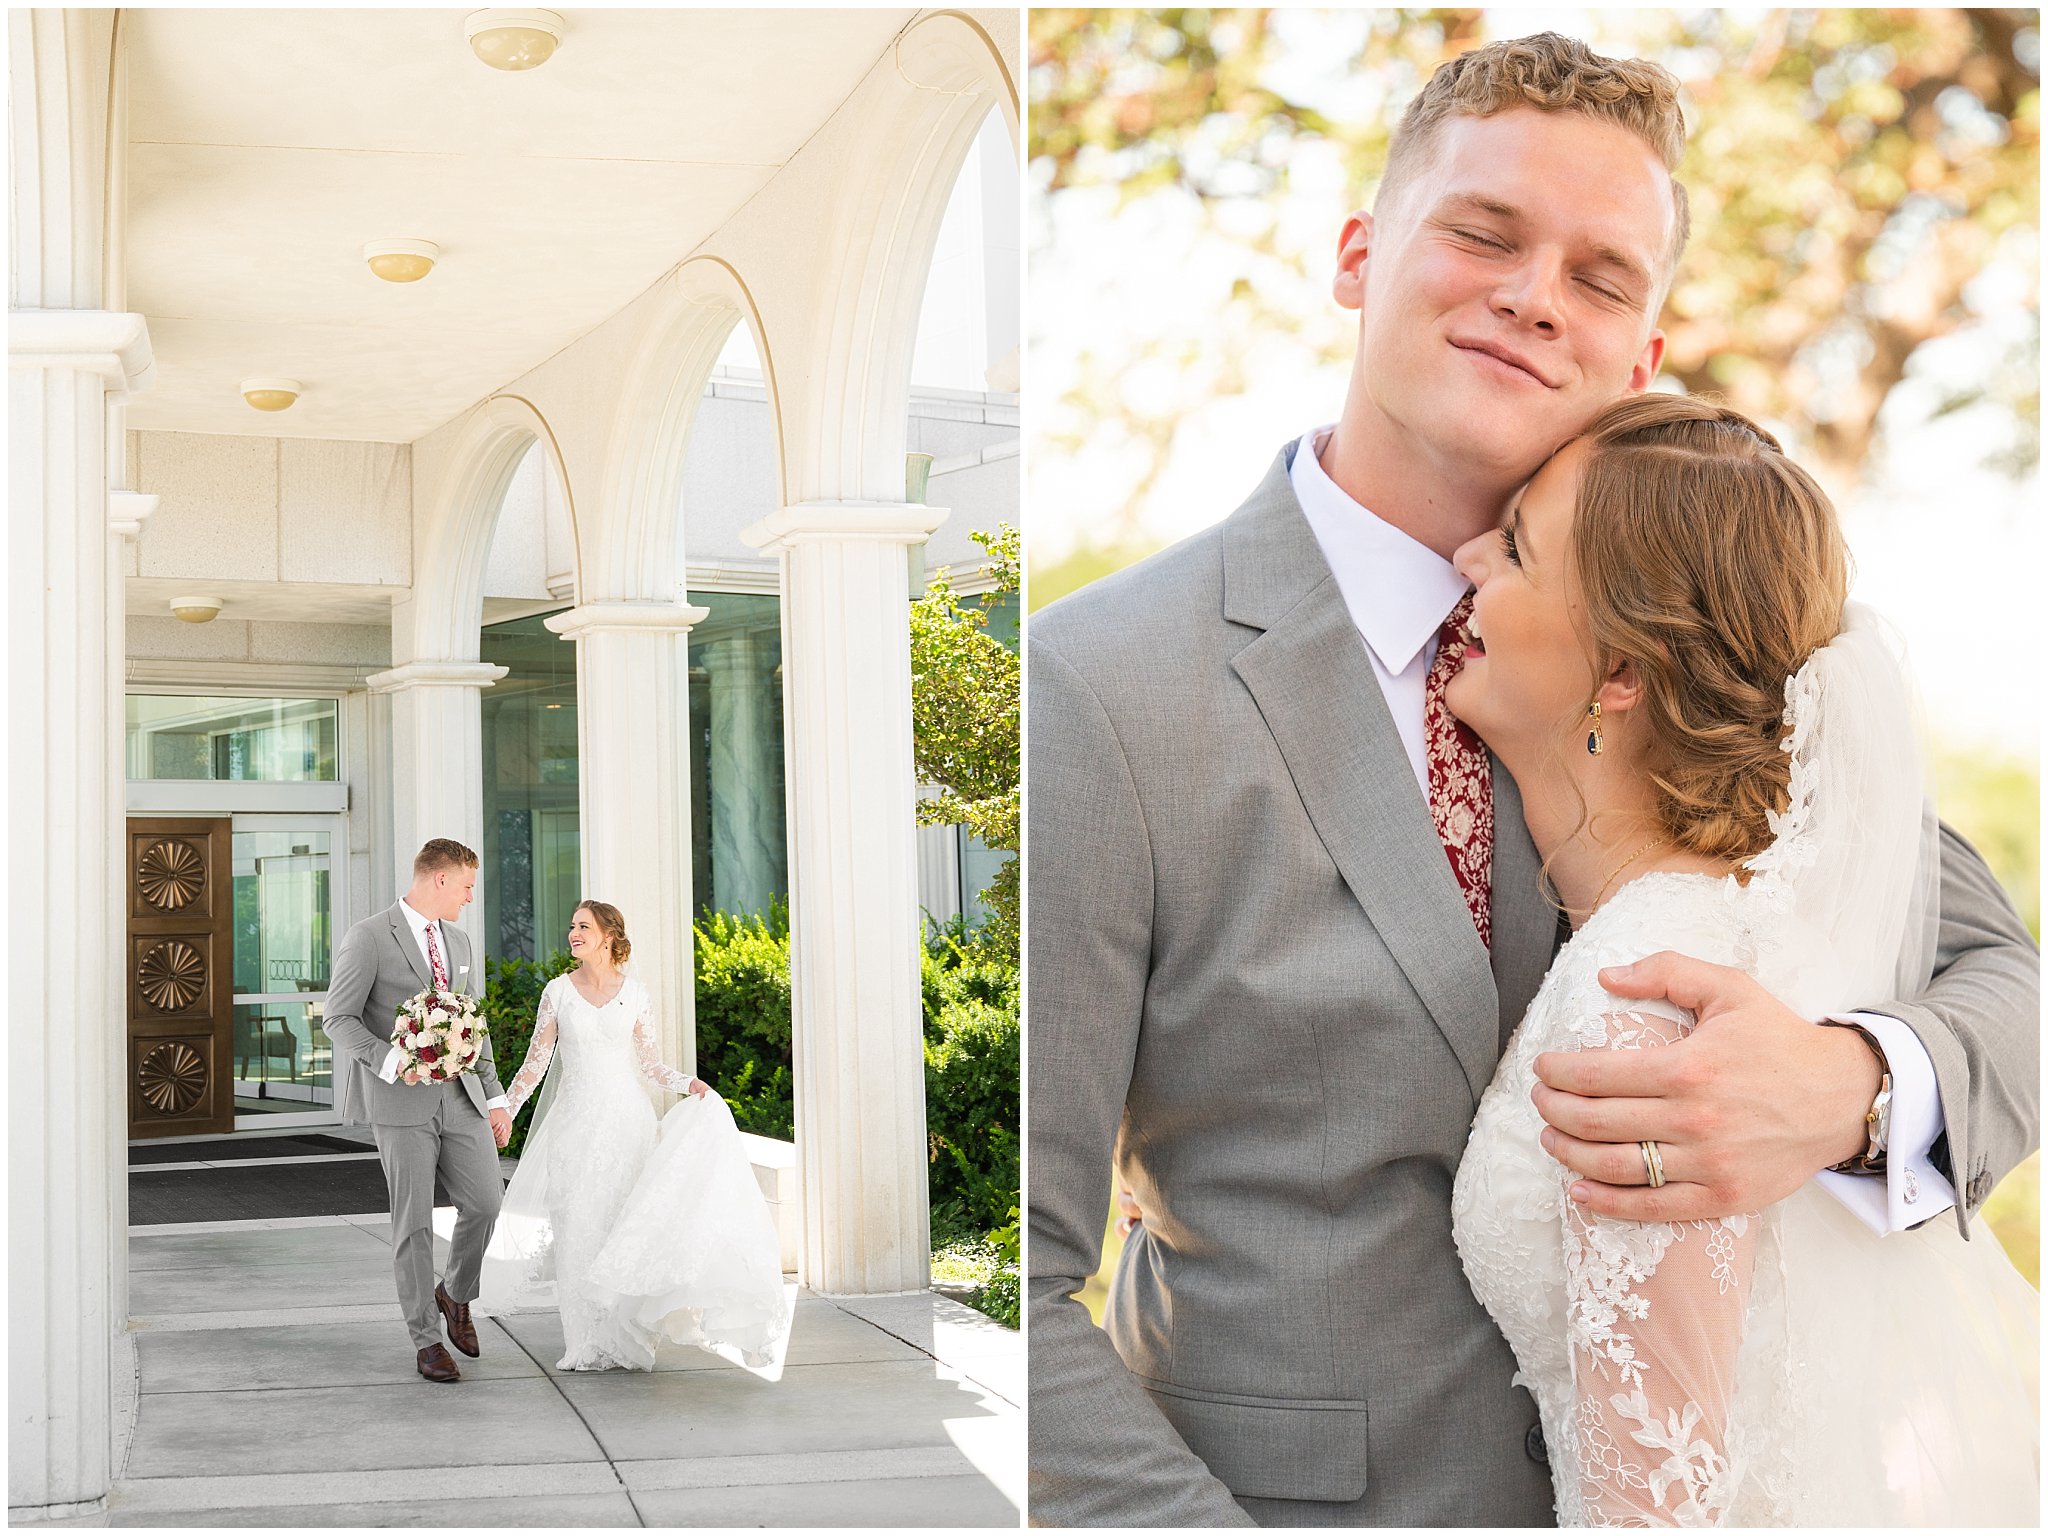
x,y
1533,1444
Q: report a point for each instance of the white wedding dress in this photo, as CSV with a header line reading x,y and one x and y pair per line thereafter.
x,y
1788,1367
635,1230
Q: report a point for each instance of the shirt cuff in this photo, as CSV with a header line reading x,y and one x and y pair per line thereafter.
x,y
500,1102
389,1071
1913,1189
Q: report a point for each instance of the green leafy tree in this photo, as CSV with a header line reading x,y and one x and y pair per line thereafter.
x,y
1852,173
966,707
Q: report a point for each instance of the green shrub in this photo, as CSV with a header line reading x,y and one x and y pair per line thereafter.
x,y
972,1065
743,1018
511,996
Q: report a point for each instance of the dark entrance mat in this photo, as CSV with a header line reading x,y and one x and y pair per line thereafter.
x,y
143,1153
249,1194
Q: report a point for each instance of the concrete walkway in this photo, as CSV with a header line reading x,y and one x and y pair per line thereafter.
x,y
277,1387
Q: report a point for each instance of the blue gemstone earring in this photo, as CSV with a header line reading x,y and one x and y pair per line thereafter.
x,y
1593,741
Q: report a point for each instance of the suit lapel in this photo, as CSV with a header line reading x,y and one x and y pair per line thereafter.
x,y
1314,685
409,947
1524,922
459,961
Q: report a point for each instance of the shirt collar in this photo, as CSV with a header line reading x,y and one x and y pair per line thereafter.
x,y
417,921
1399,591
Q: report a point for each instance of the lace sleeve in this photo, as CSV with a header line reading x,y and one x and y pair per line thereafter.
x,y
1655,1323
538,1054
648,1053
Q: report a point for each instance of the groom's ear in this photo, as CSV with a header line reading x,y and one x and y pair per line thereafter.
x,y
1648,361
1354,246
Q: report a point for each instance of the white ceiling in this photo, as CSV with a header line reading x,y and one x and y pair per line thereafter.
x,y
266,146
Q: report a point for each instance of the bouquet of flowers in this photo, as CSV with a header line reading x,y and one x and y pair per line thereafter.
x,y
441,1033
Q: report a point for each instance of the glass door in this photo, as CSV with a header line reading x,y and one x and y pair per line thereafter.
x,y
288,876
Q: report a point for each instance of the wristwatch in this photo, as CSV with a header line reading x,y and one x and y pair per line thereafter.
x,y
1877,1120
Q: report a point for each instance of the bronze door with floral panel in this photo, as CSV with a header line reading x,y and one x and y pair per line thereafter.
x,y
180,964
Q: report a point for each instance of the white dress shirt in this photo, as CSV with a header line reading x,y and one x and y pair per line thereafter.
x,y
1398,593
419,926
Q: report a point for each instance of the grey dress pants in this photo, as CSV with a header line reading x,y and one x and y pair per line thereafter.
x,y
457,1145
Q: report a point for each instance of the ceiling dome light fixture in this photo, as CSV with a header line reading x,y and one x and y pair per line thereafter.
x,y
195,610
401,261
513,39
271,394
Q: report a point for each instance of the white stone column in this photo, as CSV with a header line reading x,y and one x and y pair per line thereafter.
x,y
859,1037
633,793
67,1068
437,770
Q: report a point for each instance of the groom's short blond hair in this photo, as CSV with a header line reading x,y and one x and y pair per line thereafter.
x,y
442,853
1551,73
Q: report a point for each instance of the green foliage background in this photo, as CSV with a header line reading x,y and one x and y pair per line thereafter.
x,y
1851,173
967,711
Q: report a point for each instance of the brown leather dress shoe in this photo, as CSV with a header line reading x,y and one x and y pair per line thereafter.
x,y
437,1365
461,1331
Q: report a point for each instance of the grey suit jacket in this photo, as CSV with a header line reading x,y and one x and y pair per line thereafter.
x,y
377,969
1252,979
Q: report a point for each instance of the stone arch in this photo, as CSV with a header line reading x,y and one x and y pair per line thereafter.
x,y
448,589
949,73
639,546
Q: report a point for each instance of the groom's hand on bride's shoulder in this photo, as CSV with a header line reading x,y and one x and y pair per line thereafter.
x,y
1745,1110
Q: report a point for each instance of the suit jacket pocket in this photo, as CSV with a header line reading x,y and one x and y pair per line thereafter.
x,y
1271,1447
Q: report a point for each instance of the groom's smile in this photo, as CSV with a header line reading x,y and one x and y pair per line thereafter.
x,y
1502,362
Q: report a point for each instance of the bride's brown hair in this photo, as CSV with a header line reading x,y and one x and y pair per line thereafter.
x,y
611,922
1716,565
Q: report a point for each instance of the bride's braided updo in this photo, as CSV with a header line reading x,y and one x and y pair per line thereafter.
x,y
1716,565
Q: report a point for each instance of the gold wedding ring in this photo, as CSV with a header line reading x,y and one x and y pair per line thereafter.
x,y
1653,1163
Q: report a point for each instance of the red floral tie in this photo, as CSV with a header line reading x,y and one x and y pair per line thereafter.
x,y
1460,778
441,969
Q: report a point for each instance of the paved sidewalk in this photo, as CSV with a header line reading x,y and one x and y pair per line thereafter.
x,y
276,1376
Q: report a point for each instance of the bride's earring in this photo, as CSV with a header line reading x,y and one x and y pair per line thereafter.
x,y
1593,741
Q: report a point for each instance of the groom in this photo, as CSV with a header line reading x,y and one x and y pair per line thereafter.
x,y
453,1128
1257,989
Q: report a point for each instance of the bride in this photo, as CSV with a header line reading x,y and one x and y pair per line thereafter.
x,y
1716,757
635,1231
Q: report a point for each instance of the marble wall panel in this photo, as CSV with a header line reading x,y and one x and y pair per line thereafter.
x,y
218,516
728,477
518,564
345,511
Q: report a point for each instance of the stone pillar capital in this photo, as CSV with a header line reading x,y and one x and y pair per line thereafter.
x,y
127,511
435,674
114,345
657,618
808,522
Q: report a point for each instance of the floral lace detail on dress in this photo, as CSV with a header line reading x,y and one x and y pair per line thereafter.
x,y
647,1051
1654,1316
539,1052
1627,1333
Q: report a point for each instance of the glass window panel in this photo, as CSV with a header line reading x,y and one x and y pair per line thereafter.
x,y
532,852
283,1063
740,858
192,736
284,923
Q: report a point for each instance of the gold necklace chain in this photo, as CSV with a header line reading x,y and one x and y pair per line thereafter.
x,y
1624,864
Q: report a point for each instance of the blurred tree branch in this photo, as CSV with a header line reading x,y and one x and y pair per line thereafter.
x,y
1851,173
